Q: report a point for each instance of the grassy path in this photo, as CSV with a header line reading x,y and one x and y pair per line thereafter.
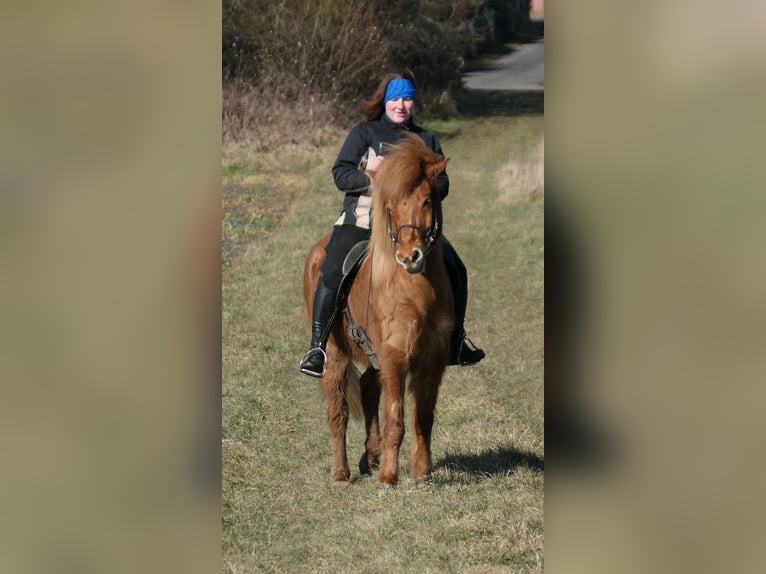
x,y
484,512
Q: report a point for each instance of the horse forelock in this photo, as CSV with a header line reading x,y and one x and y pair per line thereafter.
x,y
400,176
402,172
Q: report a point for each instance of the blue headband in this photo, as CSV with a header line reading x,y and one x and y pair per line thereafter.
x,y
399,88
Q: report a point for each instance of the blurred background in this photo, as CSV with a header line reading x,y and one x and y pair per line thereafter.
x,y
655,283
110,248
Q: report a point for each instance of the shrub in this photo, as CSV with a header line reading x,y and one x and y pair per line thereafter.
x,y
332,46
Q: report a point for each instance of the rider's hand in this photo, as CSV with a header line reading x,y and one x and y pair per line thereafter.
x,y
374,165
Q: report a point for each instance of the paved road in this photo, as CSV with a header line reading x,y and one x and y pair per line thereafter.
x,y
524,69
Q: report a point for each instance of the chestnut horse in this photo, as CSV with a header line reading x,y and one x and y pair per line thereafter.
x,y
402,300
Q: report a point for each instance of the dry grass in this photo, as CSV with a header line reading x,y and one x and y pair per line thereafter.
x,y
268,119
522,178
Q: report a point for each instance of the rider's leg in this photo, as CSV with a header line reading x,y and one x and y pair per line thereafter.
x,y
322,313
462,350
343,238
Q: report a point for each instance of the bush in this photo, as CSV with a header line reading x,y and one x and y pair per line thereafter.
x,y
331,46
434,52
262,117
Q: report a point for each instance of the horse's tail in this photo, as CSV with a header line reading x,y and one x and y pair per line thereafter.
x,y
316,255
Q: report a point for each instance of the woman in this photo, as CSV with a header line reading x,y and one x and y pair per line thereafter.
x,y
389,116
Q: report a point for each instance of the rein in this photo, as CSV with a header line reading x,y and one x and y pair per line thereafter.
x,y
429,235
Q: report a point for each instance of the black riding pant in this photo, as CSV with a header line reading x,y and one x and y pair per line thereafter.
x,y
343,238
458,277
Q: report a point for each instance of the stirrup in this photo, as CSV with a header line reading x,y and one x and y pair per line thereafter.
x,y
464,344
305,370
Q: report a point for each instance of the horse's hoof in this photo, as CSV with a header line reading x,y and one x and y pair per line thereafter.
x,y
384,487
423,481
366,466
340,484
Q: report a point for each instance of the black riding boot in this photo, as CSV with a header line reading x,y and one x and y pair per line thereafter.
x,y
322,315
462,350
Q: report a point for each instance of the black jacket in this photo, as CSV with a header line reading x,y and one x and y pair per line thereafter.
x,y
348,170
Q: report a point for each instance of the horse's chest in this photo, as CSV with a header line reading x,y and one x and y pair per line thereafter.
x,y
413,327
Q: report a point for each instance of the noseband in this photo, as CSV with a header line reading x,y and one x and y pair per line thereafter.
x,y
429,235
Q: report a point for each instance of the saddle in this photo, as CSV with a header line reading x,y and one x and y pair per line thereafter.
x,y
351,265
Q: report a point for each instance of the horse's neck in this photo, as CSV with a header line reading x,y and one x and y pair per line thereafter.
x,y
387,275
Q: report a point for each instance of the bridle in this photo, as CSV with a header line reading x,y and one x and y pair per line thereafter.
x,y
429,235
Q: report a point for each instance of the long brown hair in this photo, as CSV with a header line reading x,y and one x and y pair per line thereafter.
x,y
374,107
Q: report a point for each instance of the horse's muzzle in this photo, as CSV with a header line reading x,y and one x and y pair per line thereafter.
x,y
414,263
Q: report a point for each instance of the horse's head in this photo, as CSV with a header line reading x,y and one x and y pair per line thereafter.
x,y
406,203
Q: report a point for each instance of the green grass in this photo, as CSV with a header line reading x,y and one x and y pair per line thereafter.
x,y
250,211
484,510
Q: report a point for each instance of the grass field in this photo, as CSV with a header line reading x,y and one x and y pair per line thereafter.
x,y
484,510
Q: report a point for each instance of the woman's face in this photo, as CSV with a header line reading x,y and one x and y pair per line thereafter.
x,y
400,109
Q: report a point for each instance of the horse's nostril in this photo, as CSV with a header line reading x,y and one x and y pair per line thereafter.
x,y
416,256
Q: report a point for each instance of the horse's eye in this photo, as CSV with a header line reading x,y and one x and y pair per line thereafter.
x,y
427,202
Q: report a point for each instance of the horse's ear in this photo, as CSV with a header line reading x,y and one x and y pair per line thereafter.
x,y
435,168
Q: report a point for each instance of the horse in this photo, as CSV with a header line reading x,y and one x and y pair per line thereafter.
x,y
402,300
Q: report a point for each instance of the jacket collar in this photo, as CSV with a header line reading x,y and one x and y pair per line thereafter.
x,y
407,125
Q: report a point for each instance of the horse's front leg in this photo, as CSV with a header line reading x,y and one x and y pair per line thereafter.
x,y
392,385
425,389
334,385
